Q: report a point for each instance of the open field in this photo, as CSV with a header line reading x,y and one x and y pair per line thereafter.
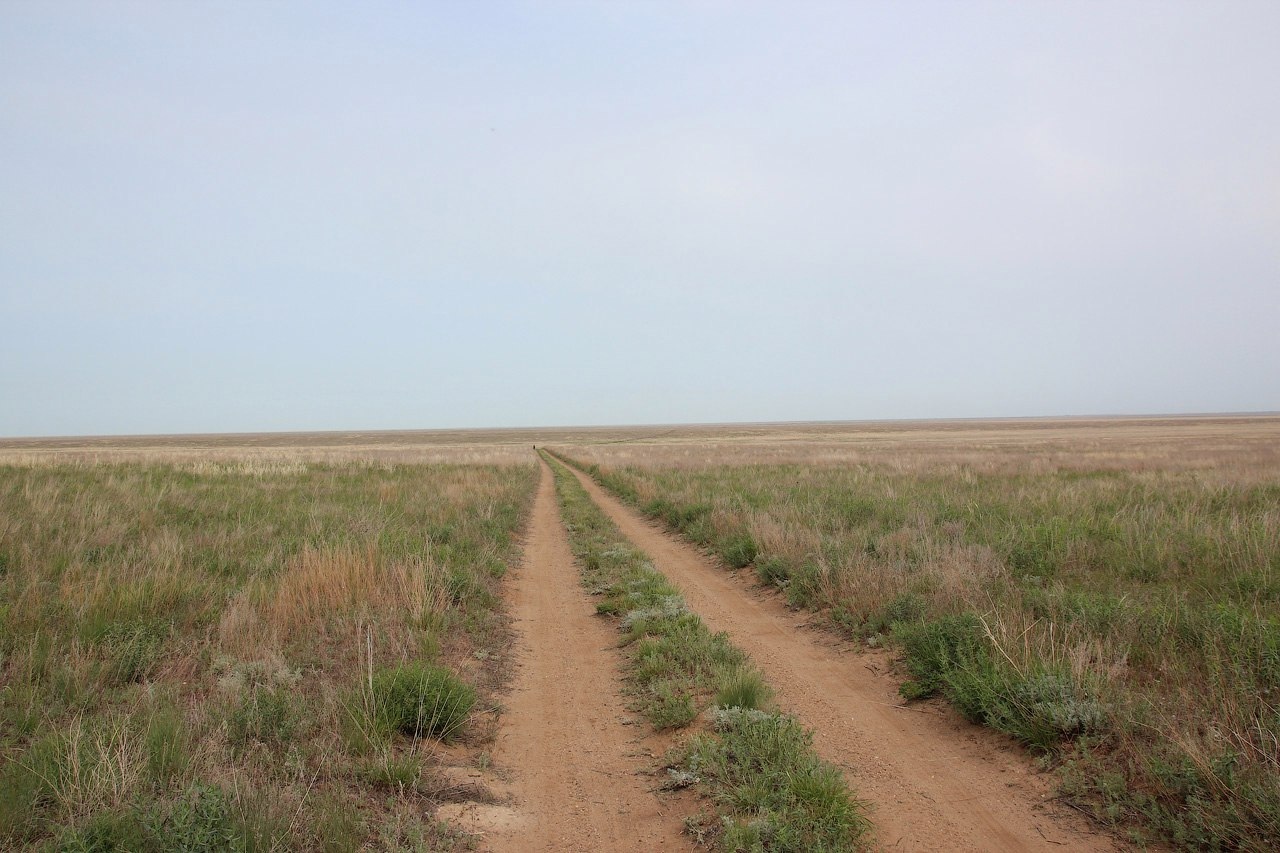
x,y
206,639
215,655
1106,592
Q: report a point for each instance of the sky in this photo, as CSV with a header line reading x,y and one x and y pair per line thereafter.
x,y
231,217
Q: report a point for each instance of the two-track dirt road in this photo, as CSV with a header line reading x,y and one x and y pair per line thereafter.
x,y
935,782
573,765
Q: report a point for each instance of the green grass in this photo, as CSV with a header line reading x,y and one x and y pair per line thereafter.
x,y
743,687
180,644
422,700
772,791
779,796
1123,623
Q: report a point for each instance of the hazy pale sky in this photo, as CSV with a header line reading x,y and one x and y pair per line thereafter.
x,y
271,216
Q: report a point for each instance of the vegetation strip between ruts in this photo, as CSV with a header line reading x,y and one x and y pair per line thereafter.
x,y
1123,625
756,764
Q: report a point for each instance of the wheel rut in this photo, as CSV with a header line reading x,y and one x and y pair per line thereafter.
x,y
934,782
571,763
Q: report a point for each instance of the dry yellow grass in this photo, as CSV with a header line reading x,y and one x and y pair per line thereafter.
x,y
1238,447
322,585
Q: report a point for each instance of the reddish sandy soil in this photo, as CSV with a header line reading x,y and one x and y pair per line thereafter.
x,y
576,772
934,782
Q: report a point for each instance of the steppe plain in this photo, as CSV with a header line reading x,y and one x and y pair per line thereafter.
x,y
1015,634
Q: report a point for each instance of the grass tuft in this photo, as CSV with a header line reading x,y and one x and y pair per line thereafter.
x,y
743,687
422,700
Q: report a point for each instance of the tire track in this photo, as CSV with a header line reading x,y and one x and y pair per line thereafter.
x,y
562,739
934,782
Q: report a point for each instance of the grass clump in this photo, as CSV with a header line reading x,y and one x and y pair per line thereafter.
x,y
743,687
132,650
398,773
739,550
168,748
422,700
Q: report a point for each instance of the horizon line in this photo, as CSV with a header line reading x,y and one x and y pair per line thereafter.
x,y
654,425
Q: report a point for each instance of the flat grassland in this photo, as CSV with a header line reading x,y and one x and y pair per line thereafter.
x,y
1106,591
208,640
221,647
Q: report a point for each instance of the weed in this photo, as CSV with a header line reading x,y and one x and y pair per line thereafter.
x,y
935,650
667,707
202,819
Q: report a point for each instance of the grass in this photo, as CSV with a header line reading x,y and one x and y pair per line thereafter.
x,y
758,766
188,649
1112,602
422,700
762,768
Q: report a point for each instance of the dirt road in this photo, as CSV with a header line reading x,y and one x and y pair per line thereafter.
x,y
934,781
572,763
